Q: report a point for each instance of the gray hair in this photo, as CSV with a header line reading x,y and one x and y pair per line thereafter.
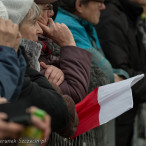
x,y
33,13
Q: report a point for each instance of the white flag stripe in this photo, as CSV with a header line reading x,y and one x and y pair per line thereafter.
x,y
116,98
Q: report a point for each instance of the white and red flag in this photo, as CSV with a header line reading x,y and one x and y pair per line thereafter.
x,y
104,104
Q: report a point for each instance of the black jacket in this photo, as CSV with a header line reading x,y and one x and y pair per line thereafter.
x,y
122,45
121,41
37,88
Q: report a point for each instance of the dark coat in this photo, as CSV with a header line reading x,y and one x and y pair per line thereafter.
x,y
121,41
122,45
40,93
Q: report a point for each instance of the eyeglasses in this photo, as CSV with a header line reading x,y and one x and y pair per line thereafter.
x,y
101,1
49,7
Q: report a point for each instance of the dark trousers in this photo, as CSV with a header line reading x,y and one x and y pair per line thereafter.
x,y
125,127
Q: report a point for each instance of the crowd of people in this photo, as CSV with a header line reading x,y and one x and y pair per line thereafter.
x,y
53,53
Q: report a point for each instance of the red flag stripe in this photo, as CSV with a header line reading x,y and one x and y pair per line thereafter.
x,y
88,112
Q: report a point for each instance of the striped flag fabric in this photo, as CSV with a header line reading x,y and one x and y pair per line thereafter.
x,y
104,104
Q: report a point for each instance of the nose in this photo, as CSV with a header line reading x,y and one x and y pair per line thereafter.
x,y
103,7
39,29
50,13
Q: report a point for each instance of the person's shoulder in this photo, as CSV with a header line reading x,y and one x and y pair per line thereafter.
x,y
5,49
113,12
114,16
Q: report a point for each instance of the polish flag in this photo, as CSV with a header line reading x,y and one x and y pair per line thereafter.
x,y
104,104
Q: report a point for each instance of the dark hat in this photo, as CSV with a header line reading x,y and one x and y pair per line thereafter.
x,y
43,1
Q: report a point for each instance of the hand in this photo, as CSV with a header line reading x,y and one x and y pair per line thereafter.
x,y
118,78
9,129
59,33
43,20
17,42
3,100
53,74
9,34
44,125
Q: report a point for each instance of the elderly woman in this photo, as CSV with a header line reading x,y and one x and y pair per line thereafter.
x,y
97,76
10,61
79,16
75,65
36,89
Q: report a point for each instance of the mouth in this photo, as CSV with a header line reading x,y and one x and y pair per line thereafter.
x,y
47,24
99,13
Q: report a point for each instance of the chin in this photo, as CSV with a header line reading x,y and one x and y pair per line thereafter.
x,y
36,39
95,22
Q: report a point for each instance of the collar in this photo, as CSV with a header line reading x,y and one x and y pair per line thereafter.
x,y
32,51
87,25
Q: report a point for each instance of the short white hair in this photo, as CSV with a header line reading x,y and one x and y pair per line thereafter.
x,y
3,11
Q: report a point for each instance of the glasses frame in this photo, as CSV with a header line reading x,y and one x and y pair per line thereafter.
x,y
49,7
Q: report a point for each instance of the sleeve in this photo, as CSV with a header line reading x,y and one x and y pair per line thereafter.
x,y
112,35
9,71
75,63
22,69
72,125
83,41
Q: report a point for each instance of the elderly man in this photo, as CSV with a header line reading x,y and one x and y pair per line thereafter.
x,y
122,44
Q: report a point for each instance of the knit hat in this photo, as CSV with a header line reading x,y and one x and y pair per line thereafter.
x,y
43,1
17,9
3,11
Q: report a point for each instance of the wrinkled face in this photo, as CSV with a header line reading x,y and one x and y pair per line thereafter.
x,y
140,2
30,30
46,13
91,11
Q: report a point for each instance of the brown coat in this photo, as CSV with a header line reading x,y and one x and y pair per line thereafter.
x,y
75,64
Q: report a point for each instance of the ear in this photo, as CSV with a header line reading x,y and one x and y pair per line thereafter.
x,y
78,6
